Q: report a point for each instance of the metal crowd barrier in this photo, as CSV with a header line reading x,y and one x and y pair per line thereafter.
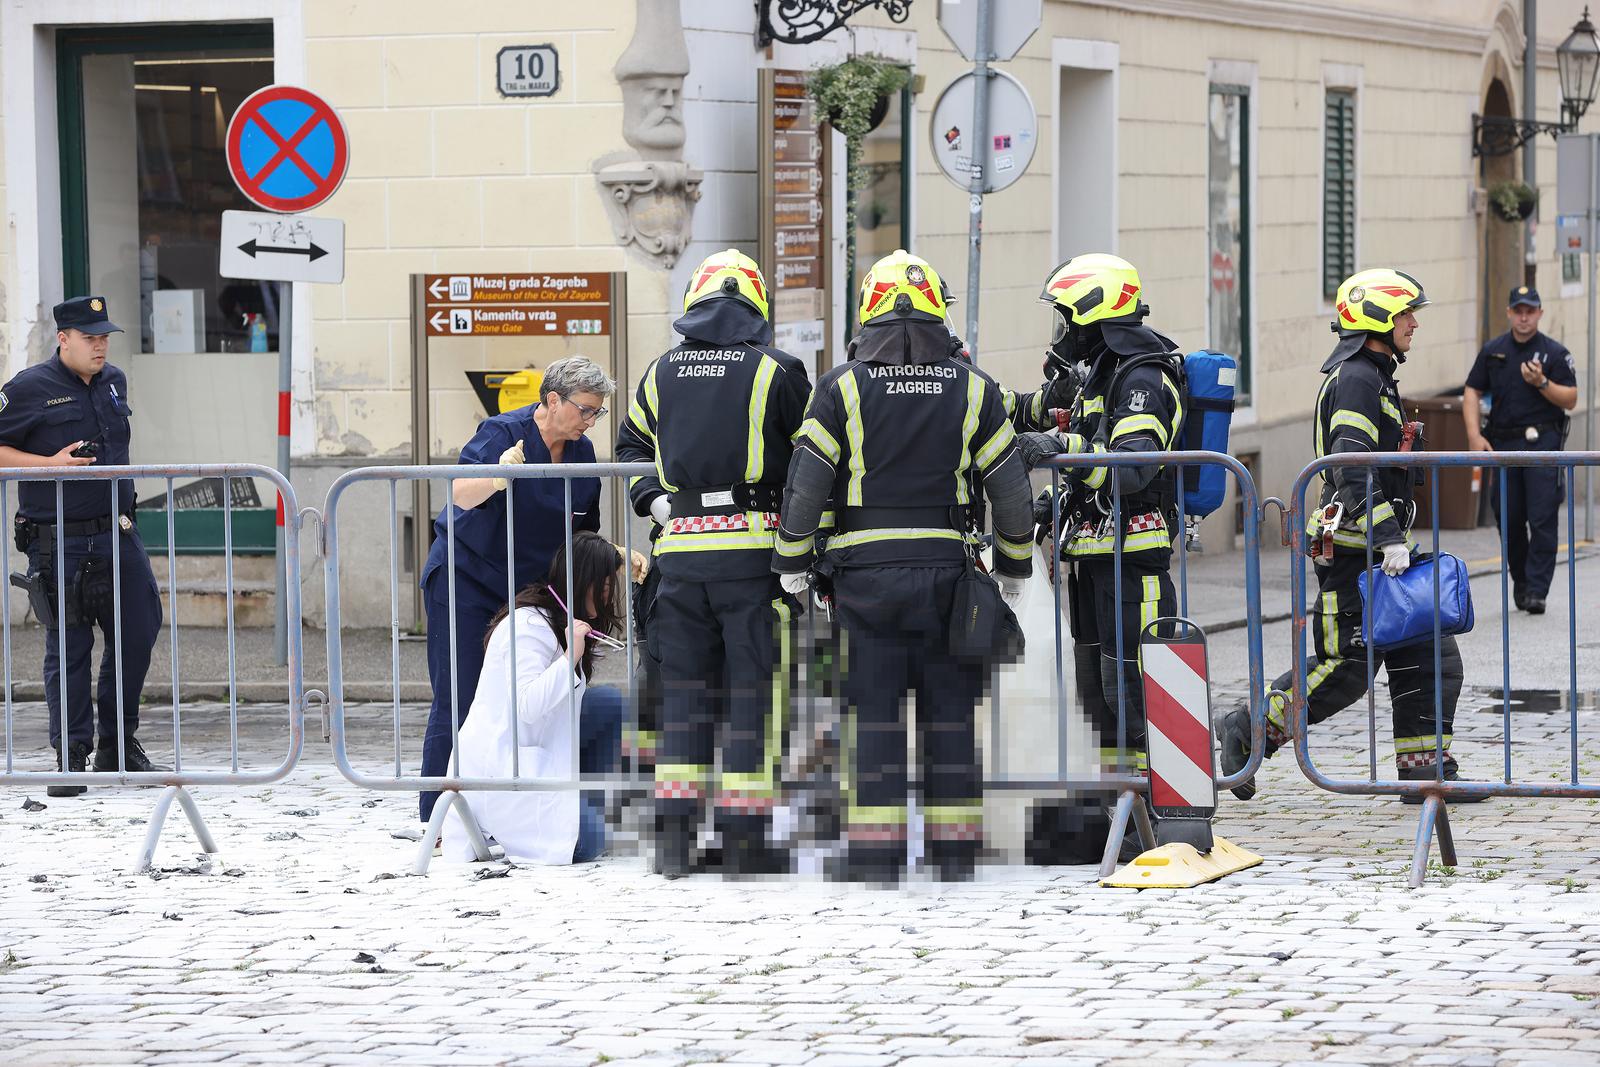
x,y
1129,785
450,786
176,782
1438,792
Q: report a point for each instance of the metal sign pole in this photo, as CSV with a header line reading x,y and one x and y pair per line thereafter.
x,y
421,440
1588,421
979,155
280,616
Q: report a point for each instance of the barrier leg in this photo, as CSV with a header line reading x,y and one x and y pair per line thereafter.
x,y
430,836
1447,838
1141,822
1119,830
158,819
1432,814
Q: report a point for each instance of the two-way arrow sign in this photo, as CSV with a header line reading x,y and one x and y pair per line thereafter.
x,y
281,248
312,252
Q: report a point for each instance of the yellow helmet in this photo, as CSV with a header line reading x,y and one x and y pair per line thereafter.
x,y
1370,300
902,274
729,273
1094,287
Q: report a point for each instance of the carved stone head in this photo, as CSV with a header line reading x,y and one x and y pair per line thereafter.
x,y
651,72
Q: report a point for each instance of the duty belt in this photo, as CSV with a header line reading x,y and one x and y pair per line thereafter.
x,y
954,517
727,499
82,528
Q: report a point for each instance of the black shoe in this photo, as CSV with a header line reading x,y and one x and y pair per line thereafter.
x,y
105,755
868,865
954,861
1427,774
1234,735
1520,599
77,761
675,841
1533,605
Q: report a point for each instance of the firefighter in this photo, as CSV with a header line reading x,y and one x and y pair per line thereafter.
x,y
1358,410
1131,400
899,438
715,416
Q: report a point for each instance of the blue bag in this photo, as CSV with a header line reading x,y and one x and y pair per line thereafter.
x,y
1211,380
1402,606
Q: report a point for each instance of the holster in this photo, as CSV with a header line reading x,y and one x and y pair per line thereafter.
x,y
41,596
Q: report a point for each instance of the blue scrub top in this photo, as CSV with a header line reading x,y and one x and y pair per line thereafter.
x,y
47,407
1498,372
540,509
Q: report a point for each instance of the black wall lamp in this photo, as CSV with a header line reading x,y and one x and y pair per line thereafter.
x,y
804,21
1578,63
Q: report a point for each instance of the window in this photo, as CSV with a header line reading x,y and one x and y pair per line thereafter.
x,y
1338,190
1572,267
1228,206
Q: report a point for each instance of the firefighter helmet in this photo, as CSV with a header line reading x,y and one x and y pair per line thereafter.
x,y
730,274
905,285
1095,287
1370,300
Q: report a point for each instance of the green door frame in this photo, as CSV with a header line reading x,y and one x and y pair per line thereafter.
x,y
907,104
71,46
1246,252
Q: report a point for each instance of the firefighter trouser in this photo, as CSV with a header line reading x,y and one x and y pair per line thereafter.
x,y
640,742
1336,676
1098,613
725,651
896,624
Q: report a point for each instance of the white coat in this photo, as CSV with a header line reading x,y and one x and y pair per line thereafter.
x,y
537,826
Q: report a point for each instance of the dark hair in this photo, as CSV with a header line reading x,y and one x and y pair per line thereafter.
x,y
594,570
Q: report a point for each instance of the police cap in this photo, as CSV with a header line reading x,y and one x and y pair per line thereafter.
x,y
86,314
1524,295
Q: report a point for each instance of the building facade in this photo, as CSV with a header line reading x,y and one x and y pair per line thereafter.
x,y
1245,154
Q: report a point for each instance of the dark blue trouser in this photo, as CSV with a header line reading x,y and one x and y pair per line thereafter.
x,y
140,624
599,752
475,608
1533,509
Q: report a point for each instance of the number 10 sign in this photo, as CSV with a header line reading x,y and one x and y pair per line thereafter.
x,y
528,70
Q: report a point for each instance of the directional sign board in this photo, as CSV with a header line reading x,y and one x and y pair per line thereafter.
x,y
1012,23
1013,132
517,305
287,149
282,248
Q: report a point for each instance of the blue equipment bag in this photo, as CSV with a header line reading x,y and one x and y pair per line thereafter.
x,y
1212,378
1207,381
1401,607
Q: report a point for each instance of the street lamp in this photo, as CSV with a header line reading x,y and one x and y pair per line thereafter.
x,y
1578,63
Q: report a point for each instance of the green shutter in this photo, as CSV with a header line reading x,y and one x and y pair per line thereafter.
x,y
1338,190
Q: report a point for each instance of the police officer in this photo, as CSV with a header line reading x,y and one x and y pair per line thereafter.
x,y
899,437
1531,382
574,391
1359,410
72,411
715,416
1131,401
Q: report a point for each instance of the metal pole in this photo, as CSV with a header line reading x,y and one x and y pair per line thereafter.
x,y
980,140
1530,151
421,442
1588,420
280,615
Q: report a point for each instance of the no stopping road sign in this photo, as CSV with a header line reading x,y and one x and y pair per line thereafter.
x,y
287,149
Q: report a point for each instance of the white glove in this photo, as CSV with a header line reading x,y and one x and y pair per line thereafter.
x,y
794,584
1011,588
1396,558
661,510
510,455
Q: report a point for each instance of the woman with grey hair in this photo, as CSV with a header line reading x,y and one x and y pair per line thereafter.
x,y
574,393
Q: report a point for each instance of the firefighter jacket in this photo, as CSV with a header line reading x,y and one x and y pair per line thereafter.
x,y
1358,410
1143,414
901,438
715,416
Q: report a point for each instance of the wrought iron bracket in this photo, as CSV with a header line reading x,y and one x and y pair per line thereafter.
x,y
1497,135
804,21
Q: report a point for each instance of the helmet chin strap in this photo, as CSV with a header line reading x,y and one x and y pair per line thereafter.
x,y
1388,341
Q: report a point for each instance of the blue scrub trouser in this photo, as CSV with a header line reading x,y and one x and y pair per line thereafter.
x,y
599,752
475,608
140,623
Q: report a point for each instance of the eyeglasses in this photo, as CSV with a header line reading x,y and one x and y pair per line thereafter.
x,y
589,414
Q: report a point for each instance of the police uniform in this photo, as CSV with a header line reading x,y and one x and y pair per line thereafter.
x,y
480,571
899,438
1131,401
715,416
1359,410
1522,419
43,409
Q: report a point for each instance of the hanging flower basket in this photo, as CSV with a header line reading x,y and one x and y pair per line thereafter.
x,y
1513,201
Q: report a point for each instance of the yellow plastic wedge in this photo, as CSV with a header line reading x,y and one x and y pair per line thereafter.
x,y
1181,866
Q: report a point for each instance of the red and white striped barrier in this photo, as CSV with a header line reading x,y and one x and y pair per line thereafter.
x,y
1177,703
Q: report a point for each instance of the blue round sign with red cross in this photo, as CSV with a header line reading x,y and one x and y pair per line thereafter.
x,y
287,149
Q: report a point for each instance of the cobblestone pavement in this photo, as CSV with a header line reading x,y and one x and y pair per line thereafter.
x,y
305,942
